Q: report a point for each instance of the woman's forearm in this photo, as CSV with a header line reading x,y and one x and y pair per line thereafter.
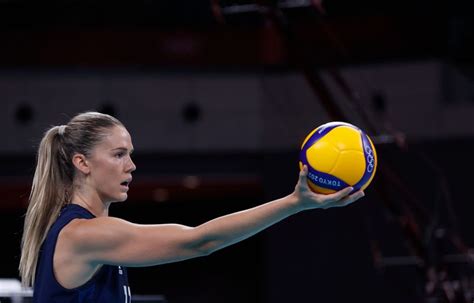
x,y
229,229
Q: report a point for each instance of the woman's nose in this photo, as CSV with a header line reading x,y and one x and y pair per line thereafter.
x,y
131,166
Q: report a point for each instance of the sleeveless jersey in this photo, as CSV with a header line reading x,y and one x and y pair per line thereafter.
x,y
109,283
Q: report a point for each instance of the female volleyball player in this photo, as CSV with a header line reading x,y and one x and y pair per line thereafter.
x,y
72,251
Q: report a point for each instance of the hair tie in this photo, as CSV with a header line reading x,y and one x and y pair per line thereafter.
x,y
62,129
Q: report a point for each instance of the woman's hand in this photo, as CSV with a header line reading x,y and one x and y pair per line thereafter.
x,y
307,199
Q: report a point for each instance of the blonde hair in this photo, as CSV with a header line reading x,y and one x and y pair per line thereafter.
x,y
53,181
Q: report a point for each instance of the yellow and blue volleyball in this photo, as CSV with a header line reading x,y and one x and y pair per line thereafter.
x,y
338,155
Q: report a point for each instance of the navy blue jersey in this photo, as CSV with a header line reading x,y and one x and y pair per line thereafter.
x,y
109,284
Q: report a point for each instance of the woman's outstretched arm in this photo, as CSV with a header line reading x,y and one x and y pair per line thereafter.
x,y
115,241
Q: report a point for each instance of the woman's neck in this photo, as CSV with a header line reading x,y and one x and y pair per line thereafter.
x,y
92,203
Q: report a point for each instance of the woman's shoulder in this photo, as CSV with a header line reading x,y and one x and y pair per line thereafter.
x,y
81,232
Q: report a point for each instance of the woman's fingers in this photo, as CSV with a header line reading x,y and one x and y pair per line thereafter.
x,y
303,172
302,178
340,194
337,199
349,199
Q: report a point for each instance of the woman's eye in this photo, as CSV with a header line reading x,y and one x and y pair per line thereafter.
x,y
119,155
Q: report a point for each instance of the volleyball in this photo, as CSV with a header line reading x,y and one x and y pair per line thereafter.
x,y
338,155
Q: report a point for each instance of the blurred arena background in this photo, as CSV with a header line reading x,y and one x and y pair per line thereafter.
x,y
218,96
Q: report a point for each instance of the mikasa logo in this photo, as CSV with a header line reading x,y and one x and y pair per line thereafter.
x,y
322,180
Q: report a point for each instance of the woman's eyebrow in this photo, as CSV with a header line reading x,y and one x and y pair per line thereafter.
x,y
123,148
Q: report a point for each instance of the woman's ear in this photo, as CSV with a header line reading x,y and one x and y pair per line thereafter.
x,y
80,162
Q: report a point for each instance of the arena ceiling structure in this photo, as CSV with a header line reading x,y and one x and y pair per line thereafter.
x,y
241,34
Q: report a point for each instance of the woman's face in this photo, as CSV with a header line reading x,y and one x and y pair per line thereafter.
x,y
111,166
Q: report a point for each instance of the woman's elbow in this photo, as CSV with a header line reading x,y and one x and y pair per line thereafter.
x,y
202,244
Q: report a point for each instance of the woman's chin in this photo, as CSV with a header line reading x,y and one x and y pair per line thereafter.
x,y
121,198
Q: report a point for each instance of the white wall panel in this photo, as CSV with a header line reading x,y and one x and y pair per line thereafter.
x,y
246,111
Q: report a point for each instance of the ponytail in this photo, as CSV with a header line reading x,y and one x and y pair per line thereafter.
x,y
48,195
